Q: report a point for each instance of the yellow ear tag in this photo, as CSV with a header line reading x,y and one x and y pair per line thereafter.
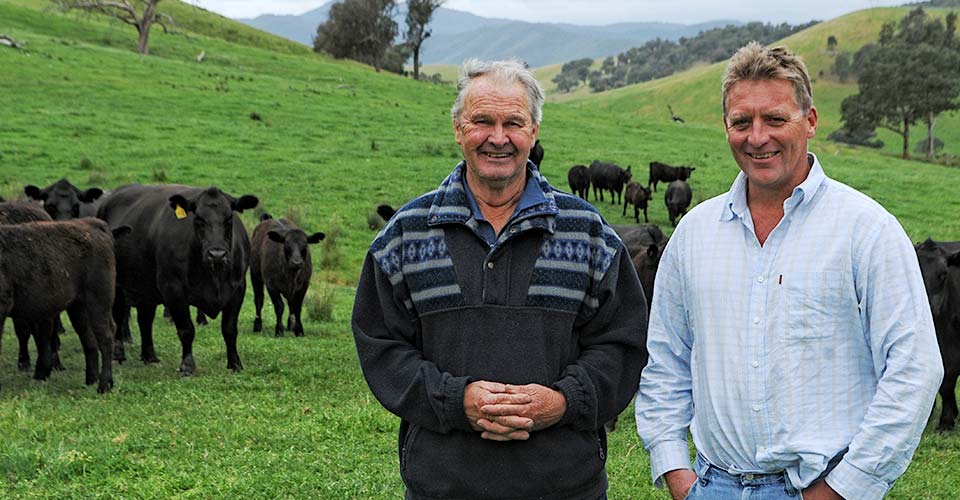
x,y
181,213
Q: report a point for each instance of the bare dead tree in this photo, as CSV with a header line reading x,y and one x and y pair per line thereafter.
x,y
142,14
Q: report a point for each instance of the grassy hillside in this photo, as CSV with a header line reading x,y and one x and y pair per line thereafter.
x,y
334,139
695,94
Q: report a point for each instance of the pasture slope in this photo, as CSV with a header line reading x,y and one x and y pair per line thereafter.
x,y
333,140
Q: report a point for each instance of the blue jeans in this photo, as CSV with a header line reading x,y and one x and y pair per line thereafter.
x,y
718,484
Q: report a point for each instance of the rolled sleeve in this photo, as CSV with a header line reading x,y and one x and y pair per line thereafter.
x,y
667,456
854,484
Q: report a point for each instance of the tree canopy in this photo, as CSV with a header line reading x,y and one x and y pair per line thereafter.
x,y
912,74
362,30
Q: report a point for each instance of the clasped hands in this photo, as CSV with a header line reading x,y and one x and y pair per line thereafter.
x,y
504,412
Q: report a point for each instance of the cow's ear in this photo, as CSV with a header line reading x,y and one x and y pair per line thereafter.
x,y
35,193
90,195
177,201
954,259
316,238
652,251
121,230
245,202
693,168
275,236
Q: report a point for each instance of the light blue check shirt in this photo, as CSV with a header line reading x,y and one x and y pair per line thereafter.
x,y
779,357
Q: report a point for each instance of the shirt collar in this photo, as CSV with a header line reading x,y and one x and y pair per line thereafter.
x,y
453,203
532,195
802,195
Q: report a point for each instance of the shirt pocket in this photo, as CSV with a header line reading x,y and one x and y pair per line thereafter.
x,y
814,304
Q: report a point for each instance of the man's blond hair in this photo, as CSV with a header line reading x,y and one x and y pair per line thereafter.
x,y
753,62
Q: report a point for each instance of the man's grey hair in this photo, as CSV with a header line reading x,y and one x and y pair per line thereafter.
x,y
753,62
510,71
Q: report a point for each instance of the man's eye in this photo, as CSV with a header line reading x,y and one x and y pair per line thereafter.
x,y
776,121
741,124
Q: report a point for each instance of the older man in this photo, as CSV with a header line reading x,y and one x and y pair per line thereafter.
x,y
789,330
499,318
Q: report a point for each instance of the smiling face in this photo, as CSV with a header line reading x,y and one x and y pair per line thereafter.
x,y
768,133
495,131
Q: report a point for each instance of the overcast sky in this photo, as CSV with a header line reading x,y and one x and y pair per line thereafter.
x,y
595,11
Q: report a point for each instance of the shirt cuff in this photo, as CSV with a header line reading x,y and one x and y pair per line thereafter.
x,y
667,456
853,484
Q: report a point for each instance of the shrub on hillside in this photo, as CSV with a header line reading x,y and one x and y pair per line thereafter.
x,y
856,138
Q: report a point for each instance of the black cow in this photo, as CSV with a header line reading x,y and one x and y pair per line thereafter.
x,y
49,267
940,267
638,195
280,259
645,244
607,176
19,212
661,172
677,199
579,179
536,153
188,247
385,211
64,201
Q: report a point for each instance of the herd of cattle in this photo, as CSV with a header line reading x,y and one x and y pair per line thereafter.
x,y
96,254
613,178
174,245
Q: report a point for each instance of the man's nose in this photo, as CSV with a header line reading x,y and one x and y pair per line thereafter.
x,y
498,135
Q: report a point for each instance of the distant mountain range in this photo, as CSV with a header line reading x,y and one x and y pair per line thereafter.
x,y
458,35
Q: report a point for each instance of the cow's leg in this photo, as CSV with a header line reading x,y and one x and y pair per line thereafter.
x,y
645,220
121,317
296,306
624,214
41,336
180,312
145,315
24,330
277,301
101,326
948,397
257,282
228,328
90,349
55,362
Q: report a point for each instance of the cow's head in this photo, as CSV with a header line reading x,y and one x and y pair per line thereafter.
x,y
626,175
935,263
294,242
212,212
62,199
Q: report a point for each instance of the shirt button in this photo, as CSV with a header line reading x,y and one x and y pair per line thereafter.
x,y
756,407
489,265
513,230
755,364
762,449
756,320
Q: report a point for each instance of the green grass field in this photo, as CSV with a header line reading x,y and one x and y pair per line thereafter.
x,y
335,139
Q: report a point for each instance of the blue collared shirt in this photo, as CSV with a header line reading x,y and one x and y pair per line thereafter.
x,y
532,195
777,357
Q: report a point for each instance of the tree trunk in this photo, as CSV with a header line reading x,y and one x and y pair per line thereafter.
x,y
416,62
146,22
931,119
906,139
